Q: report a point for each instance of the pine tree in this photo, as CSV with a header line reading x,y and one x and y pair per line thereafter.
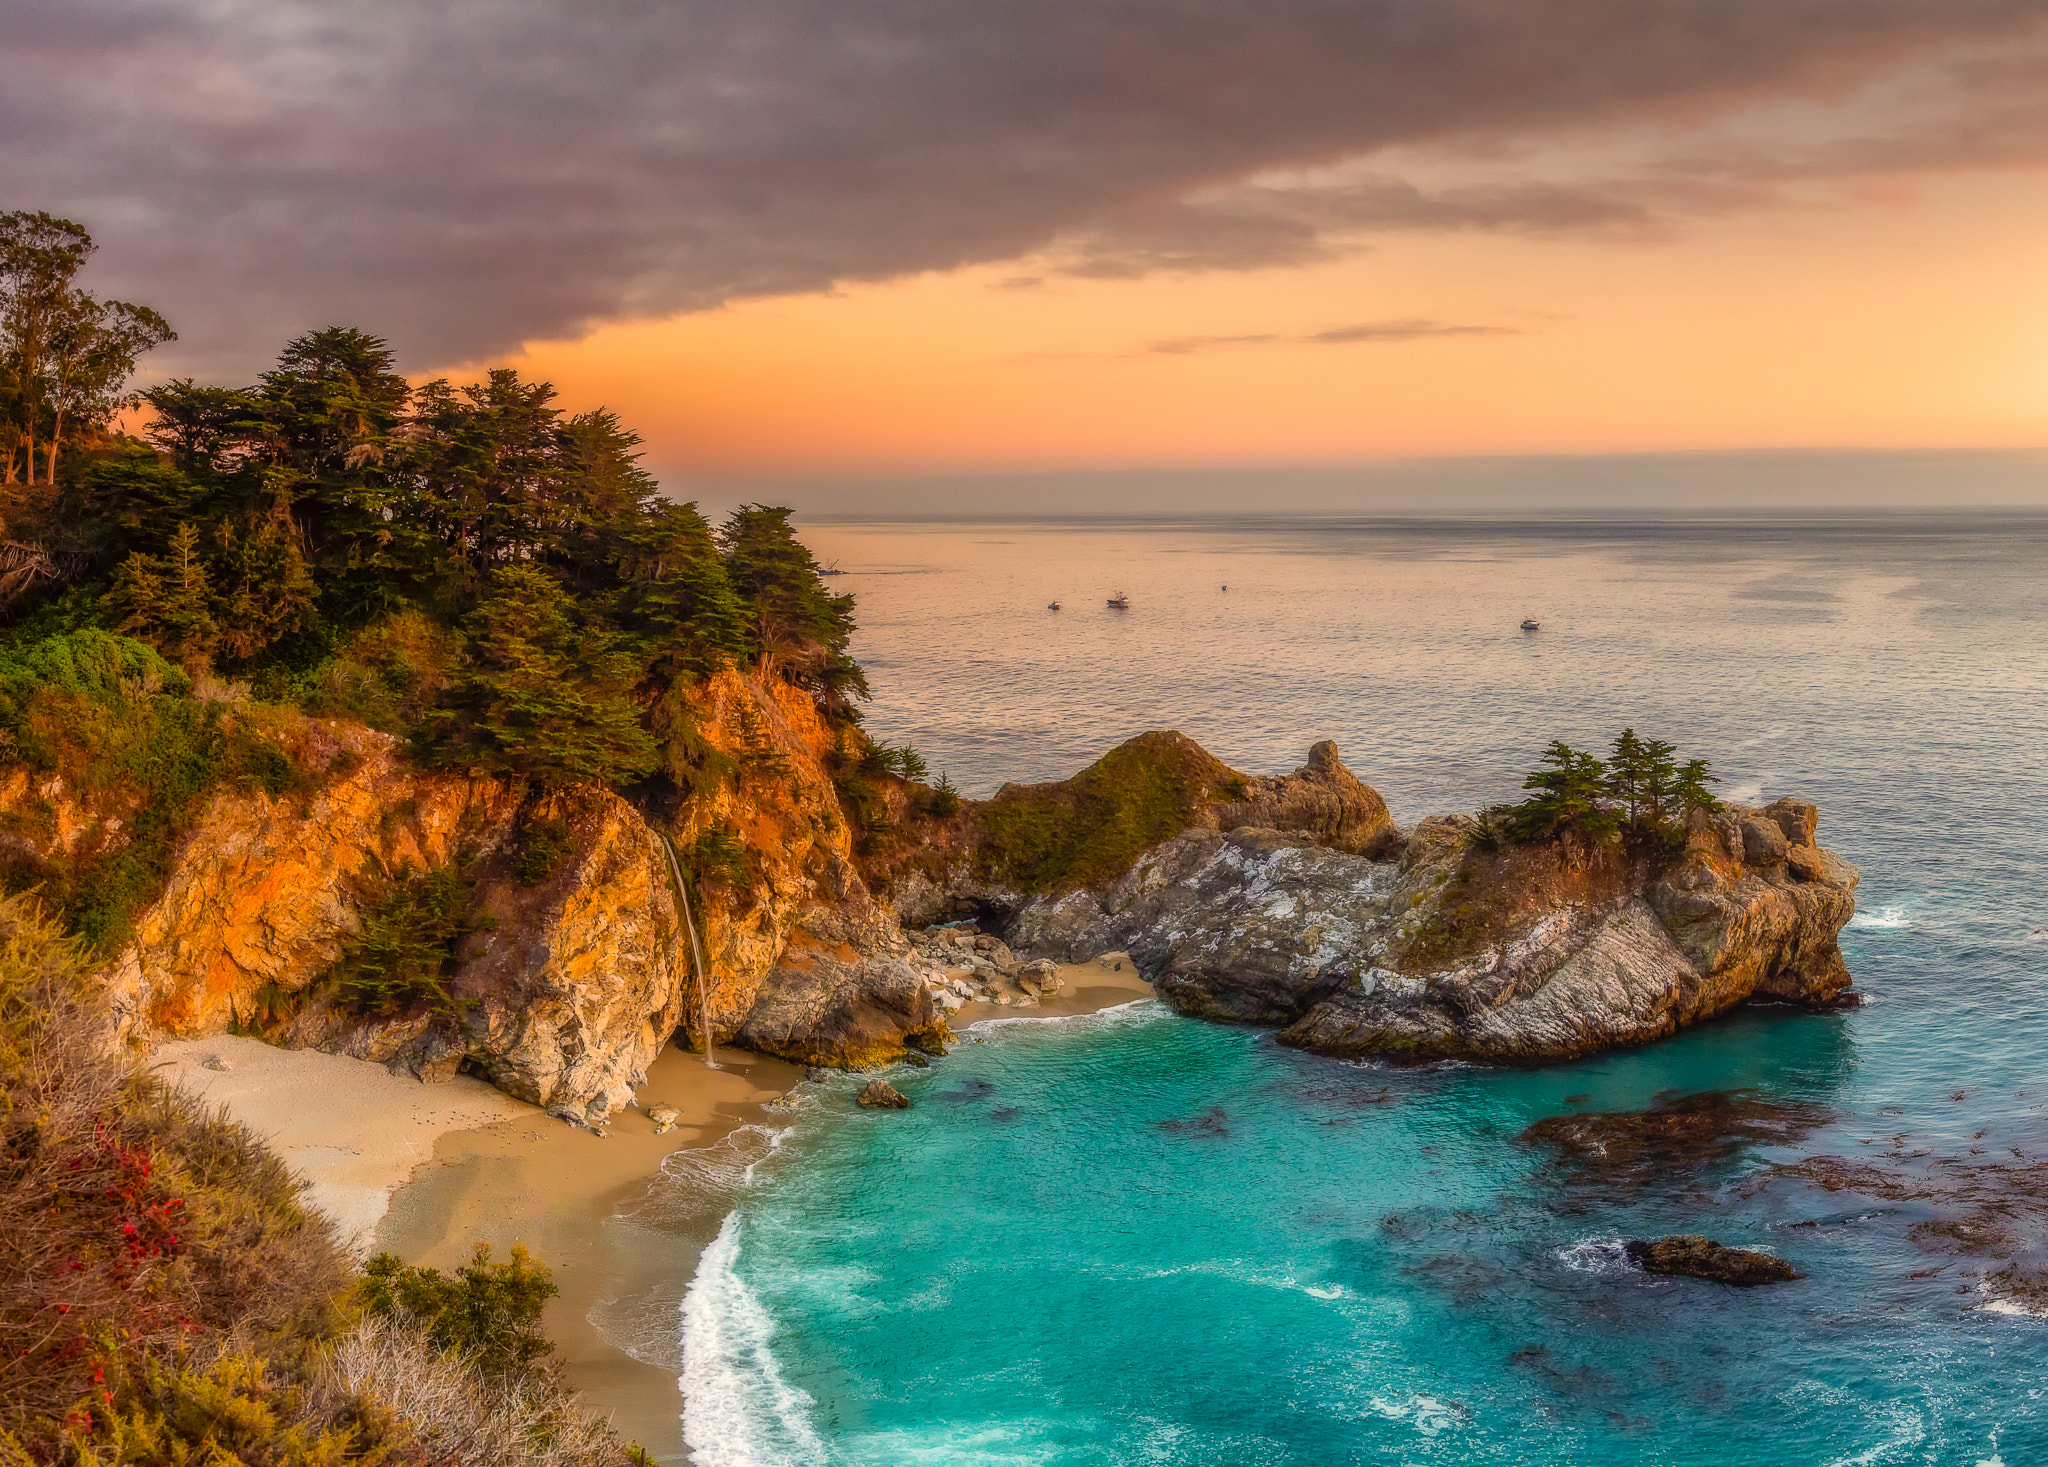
x,y
544,696
268,594
1639,775
168,600
1570,790
1689,790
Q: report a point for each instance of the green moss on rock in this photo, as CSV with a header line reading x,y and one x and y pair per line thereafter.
x,y
1092,828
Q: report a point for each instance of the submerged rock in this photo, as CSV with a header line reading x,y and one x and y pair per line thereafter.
x,y
881,1095
1689,1255
1671,1141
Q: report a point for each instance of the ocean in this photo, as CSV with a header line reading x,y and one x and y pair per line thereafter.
x,y
1137,1239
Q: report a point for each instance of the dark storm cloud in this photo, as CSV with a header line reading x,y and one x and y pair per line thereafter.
x,y
462,175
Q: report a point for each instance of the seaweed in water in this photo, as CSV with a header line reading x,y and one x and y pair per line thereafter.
x,y
1677,1137
1212,1124
971,1089
1996,1211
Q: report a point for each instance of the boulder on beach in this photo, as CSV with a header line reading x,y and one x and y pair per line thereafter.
x,y
881,1095
1690,1255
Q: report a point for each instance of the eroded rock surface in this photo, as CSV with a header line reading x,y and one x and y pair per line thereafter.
x,y
1520,954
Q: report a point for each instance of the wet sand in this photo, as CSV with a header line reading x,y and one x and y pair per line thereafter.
x,y
624,1241
589,1207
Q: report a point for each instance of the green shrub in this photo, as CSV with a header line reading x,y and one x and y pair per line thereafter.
x,y
1090,829
119,724
942,801
543,846
717,856
387,674
488,1313
401,956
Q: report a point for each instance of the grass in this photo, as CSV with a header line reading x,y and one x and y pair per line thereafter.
x,y
121,731
1092,828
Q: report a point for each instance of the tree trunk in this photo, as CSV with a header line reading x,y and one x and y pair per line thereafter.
x,y
56,438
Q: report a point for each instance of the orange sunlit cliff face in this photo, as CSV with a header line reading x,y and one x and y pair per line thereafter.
x,y
1909,320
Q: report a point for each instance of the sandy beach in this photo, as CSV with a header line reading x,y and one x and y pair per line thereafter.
x,y
352,1129
429,1171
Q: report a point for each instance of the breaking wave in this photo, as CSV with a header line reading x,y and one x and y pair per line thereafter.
x,y
738,1408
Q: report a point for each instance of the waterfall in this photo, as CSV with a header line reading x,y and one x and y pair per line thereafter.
x,y
675,869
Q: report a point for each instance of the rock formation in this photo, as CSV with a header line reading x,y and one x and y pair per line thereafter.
x,y
1688,1255
574,977
881,1095
1292,901
1511,954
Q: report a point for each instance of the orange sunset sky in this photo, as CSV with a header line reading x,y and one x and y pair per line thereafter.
x,y
1916,315
801,240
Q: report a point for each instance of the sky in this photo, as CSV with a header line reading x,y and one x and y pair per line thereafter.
x,y
874,254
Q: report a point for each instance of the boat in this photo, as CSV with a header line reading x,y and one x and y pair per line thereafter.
x,y
831,570
1120,602
1052,606
1529,623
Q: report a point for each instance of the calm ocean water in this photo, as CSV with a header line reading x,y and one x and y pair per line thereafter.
x,y
1139,1239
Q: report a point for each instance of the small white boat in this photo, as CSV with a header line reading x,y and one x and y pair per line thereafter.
x,y
1529,624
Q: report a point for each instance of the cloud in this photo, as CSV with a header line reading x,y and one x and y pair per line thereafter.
x,y
464,177
1408,329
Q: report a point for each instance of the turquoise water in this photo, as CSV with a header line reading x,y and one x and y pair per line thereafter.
x,y
1139,1239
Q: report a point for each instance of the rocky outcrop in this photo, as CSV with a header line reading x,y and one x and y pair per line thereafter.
x,y
844,996
1037,841
881,1095
575,976
563,996
1321,800
1689,1255
1519,954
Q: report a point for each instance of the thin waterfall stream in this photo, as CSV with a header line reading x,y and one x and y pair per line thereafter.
x,y
696,953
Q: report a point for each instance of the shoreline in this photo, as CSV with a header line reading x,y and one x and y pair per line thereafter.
x,y
428,1171
623,1245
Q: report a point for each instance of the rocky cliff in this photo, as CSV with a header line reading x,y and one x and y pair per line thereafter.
x,y
570,967
1464,948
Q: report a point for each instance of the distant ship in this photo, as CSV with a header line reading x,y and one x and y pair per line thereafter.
x,y
1120,601
1529,623
831,570
1052,606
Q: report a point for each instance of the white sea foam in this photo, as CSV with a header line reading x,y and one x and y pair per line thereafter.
x,y
2012,1307
1137,1010
738,1409
726,1165
1596,1255
1426,1414
1884,918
